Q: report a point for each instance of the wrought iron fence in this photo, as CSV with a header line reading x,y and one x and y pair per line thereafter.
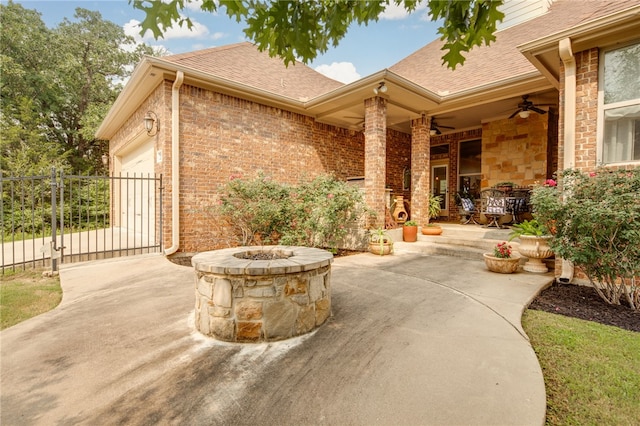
x,y
45,220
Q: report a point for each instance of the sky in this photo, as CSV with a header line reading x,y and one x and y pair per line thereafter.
x,y
364,50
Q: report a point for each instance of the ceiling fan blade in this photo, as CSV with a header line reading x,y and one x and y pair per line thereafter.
x,y
446,127
538,110
515,113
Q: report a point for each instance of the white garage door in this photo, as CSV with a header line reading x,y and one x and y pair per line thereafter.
x,y
137,189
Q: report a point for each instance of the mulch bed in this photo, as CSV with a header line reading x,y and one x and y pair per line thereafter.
x,y
584,303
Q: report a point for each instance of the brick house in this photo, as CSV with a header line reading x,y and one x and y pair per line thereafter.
x,y
414,128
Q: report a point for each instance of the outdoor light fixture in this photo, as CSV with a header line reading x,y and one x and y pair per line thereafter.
x,y
524,114
380,89
150,122
105,160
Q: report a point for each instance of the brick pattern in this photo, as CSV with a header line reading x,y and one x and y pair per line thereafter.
x,y
375,136
420,169
586,108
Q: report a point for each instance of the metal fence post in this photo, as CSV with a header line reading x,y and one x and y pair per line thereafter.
x,y
54,231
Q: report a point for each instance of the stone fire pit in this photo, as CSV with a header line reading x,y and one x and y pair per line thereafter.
x,y
262,293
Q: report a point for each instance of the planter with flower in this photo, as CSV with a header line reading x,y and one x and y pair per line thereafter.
x,y
410,231
503,259
380,242
434,211
534,244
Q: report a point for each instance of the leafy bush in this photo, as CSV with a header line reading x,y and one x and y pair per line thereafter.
x,y
259,210
313,214
595,222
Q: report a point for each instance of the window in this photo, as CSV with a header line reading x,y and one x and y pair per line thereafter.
x,y
620,112
470,167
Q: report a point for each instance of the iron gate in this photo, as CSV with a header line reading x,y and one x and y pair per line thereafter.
x,y
46,220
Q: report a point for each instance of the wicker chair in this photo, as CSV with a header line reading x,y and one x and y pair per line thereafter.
x,y
493,206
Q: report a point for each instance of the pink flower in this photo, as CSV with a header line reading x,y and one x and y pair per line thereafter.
x,y
329,196
550,182
592,174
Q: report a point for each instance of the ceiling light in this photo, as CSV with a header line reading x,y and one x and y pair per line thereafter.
x,y
524,114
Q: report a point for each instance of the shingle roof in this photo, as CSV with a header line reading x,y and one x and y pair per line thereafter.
x,y
501,60
243,63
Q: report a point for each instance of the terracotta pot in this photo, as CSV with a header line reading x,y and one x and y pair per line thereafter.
x,y
431,230
374,247
410,234
536,248
501,265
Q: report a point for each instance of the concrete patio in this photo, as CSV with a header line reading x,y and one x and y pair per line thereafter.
x,y
413,339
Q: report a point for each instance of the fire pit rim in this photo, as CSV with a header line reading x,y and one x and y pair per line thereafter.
x,y
223,261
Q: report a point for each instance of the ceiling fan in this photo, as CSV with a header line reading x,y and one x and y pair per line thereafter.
x,y
525,107
435,128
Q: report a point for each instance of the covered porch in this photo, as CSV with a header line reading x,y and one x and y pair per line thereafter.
x,y
418,143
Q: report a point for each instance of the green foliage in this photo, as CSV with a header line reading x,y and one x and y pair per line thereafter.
x,y
411,223
313,214
260,210
435,206
528,227
57,85
302,29
596,222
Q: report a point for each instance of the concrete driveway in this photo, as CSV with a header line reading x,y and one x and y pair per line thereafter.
x,y
413,340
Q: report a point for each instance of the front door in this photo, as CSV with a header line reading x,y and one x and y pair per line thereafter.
x,y
440,186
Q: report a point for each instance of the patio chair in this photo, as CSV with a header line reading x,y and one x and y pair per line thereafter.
x,y
518,203
493,206
468,211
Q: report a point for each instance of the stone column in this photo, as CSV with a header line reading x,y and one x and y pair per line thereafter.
x,y
375,154
420,169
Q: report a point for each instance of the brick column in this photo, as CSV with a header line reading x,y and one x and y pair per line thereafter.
x,y
375,153
420,169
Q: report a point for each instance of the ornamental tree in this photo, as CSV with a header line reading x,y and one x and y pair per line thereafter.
x,y
301,29
595,221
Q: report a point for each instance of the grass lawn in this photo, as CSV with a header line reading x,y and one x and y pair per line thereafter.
x,y
25,294
591,371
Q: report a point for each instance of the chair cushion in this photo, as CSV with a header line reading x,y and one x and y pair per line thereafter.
x,y
467,205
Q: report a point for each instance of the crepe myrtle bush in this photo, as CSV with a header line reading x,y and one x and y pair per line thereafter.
x,y
595,222
314,214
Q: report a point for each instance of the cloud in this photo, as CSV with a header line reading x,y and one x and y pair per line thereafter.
x,y
197,30
394,12
344,72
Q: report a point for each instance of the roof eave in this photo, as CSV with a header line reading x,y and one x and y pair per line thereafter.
x,y
617,27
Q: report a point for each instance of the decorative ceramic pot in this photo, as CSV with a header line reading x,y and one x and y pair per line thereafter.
x,y
375,248
502,265
410,234
431,230
536,248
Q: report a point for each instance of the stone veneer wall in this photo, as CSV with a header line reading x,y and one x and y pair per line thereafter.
x,y
244,300
515,150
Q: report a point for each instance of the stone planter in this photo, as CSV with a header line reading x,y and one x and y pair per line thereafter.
x,y
536,248
374,247
431,230
262,293
502,265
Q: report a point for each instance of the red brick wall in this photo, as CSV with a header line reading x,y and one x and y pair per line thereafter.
x,y
586,108
223,137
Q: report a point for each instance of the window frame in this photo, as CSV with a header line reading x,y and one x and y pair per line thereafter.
x,y
602,107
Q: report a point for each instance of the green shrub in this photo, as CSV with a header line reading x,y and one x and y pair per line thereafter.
x,y
313,214
595,222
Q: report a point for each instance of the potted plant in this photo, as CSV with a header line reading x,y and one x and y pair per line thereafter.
x,y
505,186
380,242
410,231
502,260
434,212
534,244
